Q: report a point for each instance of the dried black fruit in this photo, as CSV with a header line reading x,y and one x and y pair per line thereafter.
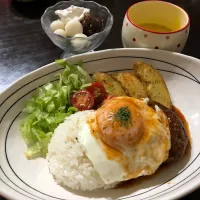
x,y
91,25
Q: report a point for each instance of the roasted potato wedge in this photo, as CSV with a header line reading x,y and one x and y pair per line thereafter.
x,y
111,85
131,84
155,85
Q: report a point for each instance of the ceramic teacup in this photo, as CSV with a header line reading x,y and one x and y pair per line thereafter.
x,y
157,25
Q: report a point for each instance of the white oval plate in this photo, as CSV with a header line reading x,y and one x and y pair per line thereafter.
x,y
21,179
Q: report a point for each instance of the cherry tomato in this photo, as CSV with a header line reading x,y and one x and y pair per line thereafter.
x,y
108,98
82,100
98,91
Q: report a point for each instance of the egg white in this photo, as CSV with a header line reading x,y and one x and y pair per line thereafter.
x,y
109,170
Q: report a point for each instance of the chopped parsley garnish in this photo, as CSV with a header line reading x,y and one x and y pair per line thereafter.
x,y
123,116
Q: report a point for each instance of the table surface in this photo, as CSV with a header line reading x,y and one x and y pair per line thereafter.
x,y
24,46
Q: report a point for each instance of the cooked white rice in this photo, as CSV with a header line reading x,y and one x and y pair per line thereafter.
x,y
67,160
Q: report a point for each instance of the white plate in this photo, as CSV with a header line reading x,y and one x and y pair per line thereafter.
x,y
21,179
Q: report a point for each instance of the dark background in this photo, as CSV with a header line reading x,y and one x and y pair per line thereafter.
x,y
25,47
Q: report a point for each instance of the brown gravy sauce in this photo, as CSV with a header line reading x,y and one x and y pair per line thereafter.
x,y
184,121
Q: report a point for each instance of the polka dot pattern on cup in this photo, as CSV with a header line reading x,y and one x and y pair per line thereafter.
x,y
167,37
126,23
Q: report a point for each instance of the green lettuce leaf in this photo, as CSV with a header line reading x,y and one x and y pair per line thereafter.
x,y
49,106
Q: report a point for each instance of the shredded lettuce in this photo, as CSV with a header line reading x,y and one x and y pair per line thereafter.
x,y
49,106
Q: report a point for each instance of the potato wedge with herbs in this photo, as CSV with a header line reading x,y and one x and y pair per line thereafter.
x,y
155,85
131,84
111,85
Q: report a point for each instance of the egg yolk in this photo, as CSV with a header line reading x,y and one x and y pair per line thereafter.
x,y
120,123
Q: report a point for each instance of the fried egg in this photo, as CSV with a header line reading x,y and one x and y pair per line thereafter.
x,y
125,139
